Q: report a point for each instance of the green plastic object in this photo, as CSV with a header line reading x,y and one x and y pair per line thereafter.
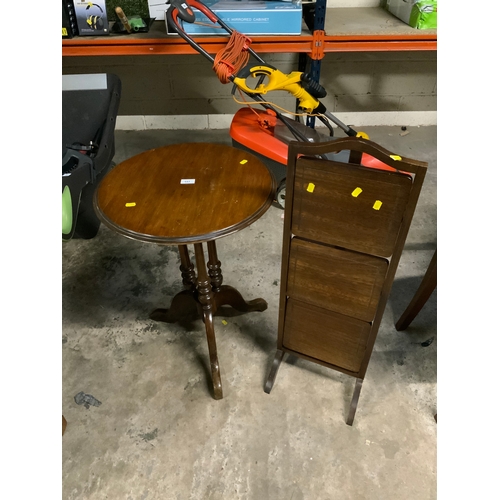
x,y
136,23
419,14
424,15
67,211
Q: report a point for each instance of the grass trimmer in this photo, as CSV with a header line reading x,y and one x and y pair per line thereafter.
x,y
264,133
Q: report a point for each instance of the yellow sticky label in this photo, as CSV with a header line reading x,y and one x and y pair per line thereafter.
x,y
224,322
243,161
130,204
310,187
377,205
64,32
396,157
357,192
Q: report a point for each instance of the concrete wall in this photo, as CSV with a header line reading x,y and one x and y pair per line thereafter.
x,y
378,88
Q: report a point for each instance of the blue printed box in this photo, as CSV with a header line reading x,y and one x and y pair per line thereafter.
x,y
250,17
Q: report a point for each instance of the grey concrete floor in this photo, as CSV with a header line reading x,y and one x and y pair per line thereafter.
x,y
159,434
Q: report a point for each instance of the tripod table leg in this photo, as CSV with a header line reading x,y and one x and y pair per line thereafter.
x,y
187,269
184,303
214,267
205,296
226,295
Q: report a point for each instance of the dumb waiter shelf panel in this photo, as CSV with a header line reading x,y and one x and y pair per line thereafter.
x,y
344,232
346,30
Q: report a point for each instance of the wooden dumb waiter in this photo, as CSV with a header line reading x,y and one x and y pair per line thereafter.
x,y
344,231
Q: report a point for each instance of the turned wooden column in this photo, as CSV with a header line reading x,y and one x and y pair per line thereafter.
x,y
190,194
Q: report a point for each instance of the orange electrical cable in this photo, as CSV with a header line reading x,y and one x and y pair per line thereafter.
x,y
244,102
233,57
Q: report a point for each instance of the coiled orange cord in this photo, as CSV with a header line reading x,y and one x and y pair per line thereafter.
x,y
233,57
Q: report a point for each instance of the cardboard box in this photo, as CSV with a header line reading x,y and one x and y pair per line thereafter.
x,y
419,14
91,17
157,9
250,17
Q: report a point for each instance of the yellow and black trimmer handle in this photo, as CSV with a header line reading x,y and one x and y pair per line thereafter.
x,y
297,83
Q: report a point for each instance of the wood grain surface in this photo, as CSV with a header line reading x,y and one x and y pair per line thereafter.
x,y
184,193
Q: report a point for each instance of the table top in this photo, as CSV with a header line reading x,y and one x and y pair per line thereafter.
x,y
184,193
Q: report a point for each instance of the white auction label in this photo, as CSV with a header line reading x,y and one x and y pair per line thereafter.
x,y
187,181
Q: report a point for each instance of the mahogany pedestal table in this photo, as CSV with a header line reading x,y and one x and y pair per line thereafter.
x,y
191,193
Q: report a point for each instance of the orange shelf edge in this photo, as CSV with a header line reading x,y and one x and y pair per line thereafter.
x,y
304,44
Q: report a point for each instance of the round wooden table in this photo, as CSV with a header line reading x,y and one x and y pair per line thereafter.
x,y
190,193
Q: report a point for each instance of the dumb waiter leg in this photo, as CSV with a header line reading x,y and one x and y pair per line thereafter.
x,y
205,296
354,401
274,371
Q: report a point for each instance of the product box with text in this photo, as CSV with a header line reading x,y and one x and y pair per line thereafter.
x,y
250,17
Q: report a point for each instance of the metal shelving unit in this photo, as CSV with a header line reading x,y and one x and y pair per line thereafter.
x,y
343,30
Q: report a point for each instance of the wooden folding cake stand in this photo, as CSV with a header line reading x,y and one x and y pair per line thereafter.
x,y
344,231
